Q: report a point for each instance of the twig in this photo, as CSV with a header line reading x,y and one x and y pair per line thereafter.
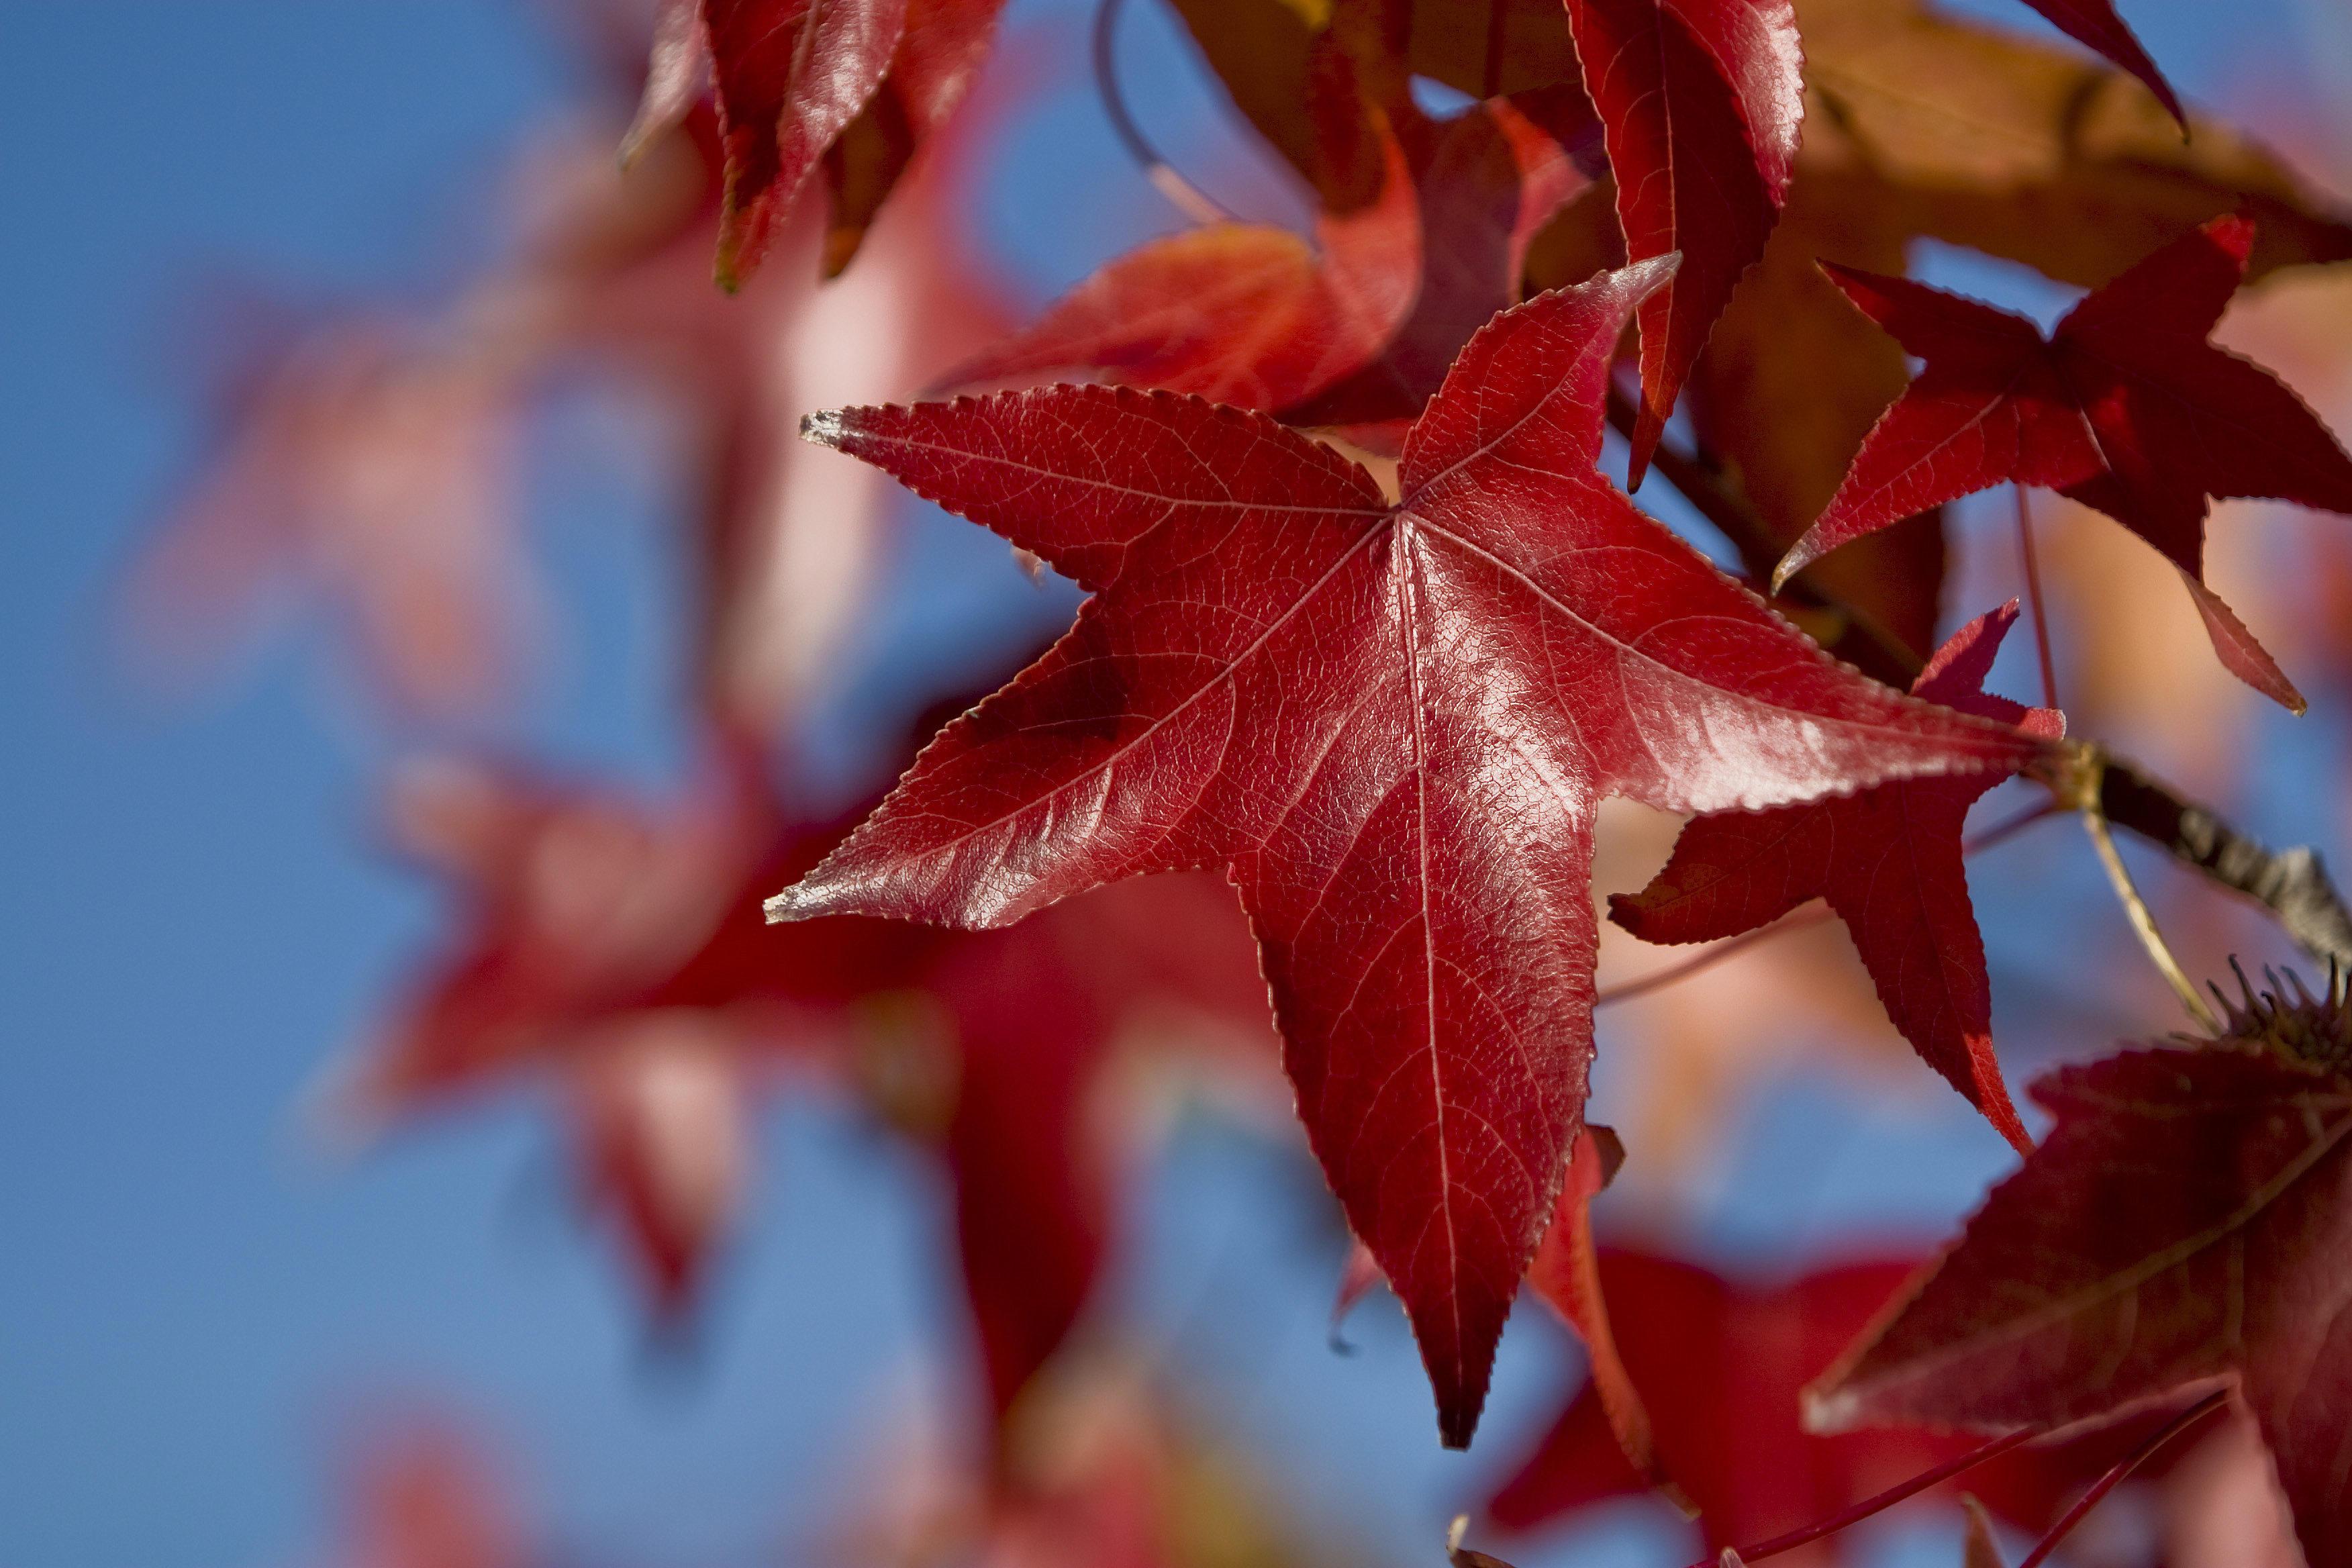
x,y
2078,783
1659,979
2116,1474
2009,827
2292,884
1192,201
2033,596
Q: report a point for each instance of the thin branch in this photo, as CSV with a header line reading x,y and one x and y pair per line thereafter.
x,y
1194,201
2009,827
2116,1474
2033,596
1642,985
2292,884
1886,1499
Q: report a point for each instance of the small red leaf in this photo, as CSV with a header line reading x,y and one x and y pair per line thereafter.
x,y
2126,408
1888,862
1239,313
1391,725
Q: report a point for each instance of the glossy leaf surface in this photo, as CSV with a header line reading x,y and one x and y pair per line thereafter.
x,y
1390,724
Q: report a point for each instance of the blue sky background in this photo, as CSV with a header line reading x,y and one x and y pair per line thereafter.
x,y
190,917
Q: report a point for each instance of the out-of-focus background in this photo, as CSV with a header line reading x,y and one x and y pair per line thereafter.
x,y
216,1319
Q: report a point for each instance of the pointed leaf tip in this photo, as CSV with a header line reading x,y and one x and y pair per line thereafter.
x,y
825,427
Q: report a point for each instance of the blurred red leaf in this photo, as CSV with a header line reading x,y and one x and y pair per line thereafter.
x,y
2126,407
622,953
1391,726
1566,1272
1245,314
2185,1225
423,1496
1888,861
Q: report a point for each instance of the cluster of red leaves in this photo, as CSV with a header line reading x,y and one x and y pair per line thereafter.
x,y
614,956
1385,698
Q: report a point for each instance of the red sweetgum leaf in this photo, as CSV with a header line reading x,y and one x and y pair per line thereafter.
x,y
2126,407
1888,862
1242,313
1700,102
2186,1225
1391,726
2094,23
789,77
1720,1365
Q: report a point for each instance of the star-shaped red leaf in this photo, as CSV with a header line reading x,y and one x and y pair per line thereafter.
x,y
1390,724
1888,862
2126,407
2186,1225
1700,102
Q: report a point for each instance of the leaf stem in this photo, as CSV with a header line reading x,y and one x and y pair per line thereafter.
x,y
1188,198
2033,595
2081,780
1642,985
2009,827
1886,1499
2116,1474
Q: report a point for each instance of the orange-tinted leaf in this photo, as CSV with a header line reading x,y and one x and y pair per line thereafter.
x,y
1239,313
